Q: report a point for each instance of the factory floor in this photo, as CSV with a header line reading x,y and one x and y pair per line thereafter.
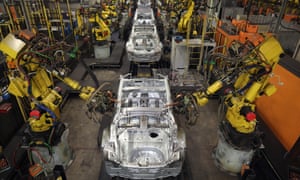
x,y
84,134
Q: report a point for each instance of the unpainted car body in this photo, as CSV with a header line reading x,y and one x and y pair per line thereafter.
x,y
144,15
144,44
144,3
143,140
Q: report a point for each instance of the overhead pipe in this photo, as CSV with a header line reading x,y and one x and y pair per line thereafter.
x,y
282,10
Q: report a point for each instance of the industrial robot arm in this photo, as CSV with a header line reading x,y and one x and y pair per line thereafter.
x,y
185,19
248,82
100,30
85,91
32,77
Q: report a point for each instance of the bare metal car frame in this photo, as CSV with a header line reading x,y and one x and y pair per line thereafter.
x,y
143,45
143,140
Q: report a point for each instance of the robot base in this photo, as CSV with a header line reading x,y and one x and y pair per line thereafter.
x,y
229,158
60,154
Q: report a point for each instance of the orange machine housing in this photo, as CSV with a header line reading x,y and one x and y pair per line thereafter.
x,y
254,38
244,32
223,38
290,17
281,111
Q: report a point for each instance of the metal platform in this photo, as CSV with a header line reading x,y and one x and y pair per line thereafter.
x,y
191,80
113,61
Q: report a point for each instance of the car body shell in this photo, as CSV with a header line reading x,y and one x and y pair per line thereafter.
x,y
143,45
143,140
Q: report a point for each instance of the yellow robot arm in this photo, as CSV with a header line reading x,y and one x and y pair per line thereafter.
x,y
85,91
40,122
249,82
80,30
100,30
184,20
202,97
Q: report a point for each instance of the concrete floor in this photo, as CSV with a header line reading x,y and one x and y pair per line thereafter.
x,y
201,138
